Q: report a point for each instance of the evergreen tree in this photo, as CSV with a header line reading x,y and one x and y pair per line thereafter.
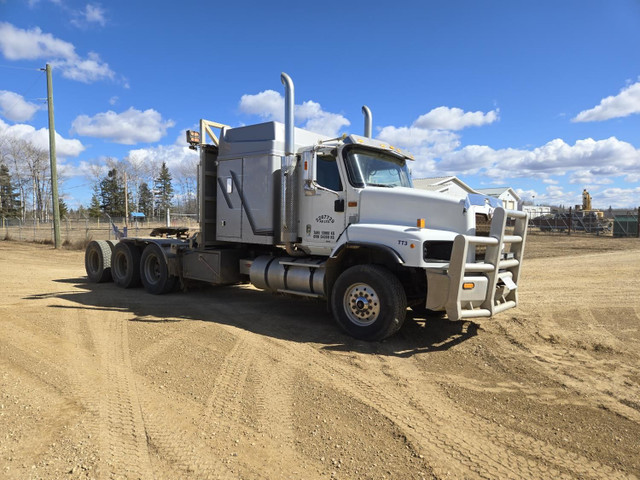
x,y
145,200
112,194
63,208
9,197
163,190
94,210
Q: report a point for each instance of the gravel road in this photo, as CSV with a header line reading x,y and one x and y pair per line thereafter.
x,y
99,382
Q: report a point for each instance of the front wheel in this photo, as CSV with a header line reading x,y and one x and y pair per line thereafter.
x,y
368,302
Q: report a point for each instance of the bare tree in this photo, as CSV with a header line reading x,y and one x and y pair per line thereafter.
x,y
13,150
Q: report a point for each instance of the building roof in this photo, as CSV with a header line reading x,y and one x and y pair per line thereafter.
x,y
496,192
437,183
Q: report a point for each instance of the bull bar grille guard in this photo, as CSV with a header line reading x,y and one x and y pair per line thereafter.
x,y
497,267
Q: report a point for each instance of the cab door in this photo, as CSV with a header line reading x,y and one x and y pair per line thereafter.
x,y
322,216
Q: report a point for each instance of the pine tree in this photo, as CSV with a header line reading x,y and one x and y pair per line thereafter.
x,y
63,208
145,200
163,190
9,197
112,194
95,210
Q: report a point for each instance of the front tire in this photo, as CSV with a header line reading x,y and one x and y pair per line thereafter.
x,y
154,271
368,302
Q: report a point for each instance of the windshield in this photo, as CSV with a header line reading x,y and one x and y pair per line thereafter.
x,y
367,167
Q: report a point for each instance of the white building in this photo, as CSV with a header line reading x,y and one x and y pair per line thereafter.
x,y
450,186
536,211
510,199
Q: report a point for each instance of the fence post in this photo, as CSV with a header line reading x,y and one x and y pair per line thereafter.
x,y
570,220
638,219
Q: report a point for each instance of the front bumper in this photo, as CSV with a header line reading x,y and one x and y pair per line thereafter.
x,y
470,289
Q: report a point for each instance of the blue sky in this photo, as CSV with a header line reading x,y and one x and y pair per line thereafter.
x,y
540,96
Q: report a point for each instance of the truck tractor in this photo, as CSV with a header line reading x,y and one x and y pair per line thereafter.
x,y
338,219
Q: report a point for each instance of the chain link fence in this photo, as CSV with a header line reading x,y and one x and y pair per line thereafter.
x,y
78,232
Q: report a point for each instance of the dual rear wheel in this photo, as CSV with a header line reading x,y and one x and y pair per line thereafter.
x,y
129,266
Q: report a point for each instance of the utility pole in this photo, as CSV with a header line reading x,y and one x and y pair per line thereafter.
x,y
52,157
126,206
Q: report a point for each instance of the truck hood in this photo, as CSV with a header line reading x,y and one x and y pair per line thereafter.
x,y
404,206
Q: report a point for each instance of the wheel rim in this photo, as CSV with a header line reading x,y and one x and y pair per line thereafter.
x,y
94,261
152,269
361,304
120,265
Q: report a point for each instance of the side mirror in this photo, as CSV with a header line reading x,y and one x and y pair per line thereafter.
x,y
309,168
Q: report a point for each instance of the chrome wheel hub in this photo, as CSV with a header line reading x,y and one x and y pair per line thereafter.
x,y
361,304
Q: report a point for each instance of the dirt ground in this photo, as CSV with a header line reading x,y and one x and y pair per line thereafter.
x,y
99,382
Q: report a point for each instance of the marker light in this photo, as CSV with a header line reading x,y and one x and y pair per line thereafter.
x,y
468,286
420,223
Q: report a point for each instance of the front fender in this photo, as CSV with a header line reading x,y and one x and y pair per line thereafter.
x,y
402,242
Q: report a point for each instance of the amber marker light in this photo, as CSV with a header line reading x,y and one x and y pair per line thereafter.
x,y
468,286
413,245
352,204
420,223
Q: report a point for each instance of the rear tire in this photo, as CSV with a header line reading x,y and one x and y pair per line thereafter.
x,y
154,271
125,265
97,261
369,302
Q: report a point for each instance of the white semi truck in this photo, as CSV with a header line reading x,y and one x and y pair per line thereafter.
x,y
334,218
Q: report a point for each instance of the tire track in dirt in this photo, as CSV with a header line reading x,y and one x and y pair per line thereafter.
x,y
106,385
189,440
579,370
471,445
277,382
179,447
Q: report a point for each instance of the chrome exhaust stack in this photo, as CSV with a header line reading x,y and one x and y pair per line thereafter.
x,y
288,233
367,121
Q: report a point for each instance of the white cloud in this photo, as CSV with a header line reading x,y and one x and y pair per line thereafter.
x,y
129,127
433,136
92,14
588,177
65,147
601,158
172,155
269,105
15,108
33,44
113,100
624,104
18,44
618,197
446,118
87,70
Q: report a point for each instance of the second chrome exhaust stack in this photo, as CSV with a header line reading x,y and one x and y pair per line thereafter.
x,y
367,121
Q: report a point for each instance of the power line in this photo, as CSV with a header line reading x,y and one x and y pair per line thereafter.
x,y
20,68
